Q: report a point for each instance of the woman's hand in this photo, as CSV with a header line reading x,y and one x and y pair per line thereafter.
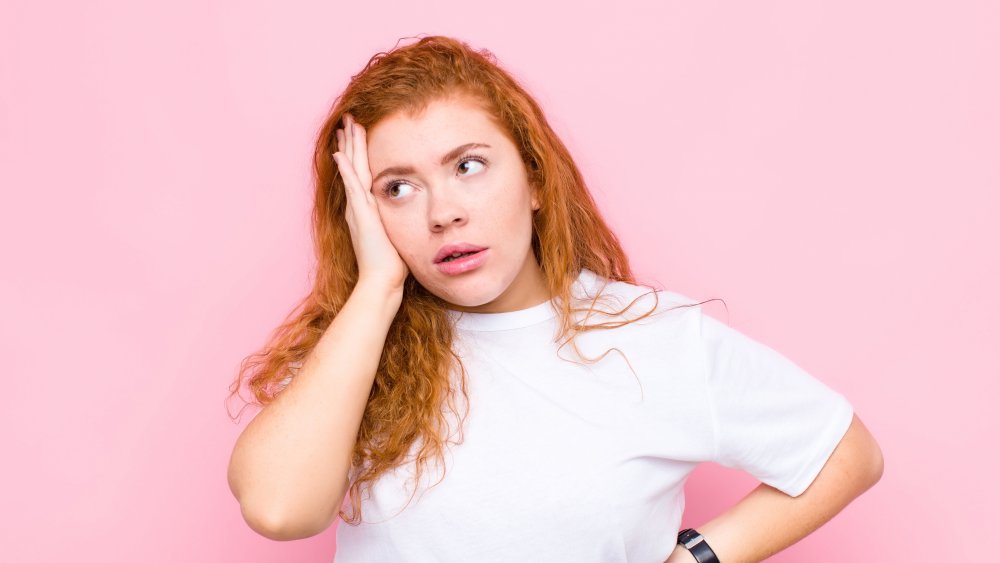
x,y
378,261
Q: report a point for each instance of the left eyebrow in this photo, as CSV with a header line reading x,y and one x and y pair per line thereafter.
x,y
452,155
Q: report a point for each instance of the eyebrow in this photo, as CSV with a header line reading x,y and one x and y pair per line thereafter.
x,y
452,155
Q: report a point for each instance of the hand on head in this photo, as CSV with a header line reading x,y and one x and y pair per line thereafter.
x,y
378,260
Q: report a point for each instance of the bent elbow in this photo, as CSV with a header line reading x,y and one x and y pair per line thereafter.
x,y
274,525
878,464
264,523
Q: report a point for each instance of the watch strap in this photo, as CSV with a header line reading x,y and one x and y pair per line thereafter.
x,y
696,544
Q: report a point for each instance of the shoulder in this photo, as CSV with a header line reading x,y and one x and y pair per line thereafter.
x,y
634,300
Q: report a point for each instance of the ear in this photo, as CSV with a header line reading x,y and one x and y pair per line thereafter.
x,y
534,199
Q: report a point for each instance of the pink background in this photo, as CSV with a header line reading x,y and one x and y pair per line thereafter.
x,y
830,169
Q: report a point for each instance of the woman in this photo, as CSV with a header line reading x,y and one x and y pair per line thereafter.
x,y
426,383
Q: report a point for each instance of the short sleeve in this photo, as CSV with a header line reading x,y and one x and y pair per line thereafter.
x,y
771,418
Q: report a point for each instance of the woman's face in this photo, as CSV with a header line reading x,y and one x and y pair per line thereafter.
x,y
451,176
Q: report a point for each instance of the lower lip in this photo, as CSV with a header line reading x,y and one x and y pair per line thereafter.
x,y
463,264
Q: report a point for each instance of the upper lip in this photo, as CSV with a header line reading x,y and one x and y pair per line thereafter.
x,y
452,248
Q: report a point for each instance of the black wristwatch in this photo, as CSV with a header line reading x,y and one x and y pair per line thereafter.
x,y
696,544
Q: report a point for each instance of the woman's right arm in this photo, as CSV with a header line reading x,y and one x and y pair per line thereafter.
x,y
289,467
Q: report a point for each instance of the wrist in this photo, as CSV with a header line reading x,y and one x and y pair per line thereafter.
x,y
379,291
680,555
694,542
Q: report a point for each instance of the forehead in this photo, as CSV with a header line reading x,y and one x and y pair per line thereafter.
x,y
443,125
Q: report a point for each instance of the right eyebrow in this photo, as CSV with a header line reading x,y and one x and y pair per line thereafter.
x,y
452,155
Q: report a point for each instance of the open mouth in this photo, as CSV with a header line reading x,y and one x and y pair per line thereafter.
x,y
458,263
458,255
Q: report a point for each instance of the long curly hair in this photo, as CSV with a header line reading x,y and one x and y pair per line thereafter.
x,y
412,383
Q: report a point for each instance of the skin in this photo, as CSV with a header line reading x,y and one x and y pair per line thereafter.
x,y
489,205
767,520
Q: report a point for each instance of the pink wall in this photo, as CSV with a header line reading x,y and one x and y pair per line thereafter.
x,y
829,168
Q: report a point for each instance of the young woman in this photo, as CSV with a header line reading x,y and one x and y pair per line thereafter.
x,y
477,375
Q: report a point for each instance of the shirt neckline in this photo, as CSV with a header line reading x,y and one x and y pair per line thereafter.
x,y
520,318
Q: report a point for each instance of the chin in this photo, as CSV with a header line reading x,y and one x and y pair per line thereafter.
x,y
469,299
466,292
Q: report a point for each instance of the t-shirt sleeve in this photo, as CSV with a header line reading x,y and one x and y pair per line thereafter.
x,y
771,418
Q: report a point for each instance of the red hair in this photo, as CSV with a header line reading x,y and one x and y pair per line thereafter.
x,y
412,381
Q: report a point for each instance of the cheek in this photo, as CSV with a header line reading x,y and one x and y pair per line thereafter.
x,y
519,211
400,229
393,224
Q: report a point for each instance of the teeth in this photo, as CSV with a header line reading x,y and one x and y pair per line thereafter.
x,y
455,255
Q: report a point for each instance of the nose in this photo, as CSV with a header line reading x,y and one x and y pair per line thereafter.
x,y
444,211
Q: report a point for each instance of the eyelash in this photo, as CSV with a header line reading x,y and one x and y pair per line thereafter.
x,y
465,158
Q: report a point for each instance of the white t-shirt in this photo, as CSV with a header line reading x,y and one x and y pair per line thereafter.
x,y
573,462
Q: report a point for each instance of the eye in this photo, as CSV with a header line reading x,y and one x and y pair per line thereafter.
x,y
387,190
472,160
467,165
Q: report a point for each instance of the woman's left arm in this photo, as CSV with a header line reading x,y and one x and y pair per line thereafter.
x,y
767,520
